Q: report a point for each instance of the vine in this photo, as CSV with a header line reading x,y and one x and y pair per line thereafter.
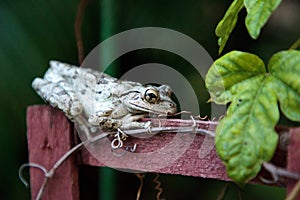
x,y
245,137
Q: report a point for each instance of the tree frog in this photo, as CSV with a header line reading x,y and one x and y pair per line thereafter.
x,y
105,101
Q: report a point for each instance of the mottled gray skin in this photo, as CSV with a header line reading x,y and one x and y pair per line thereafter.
x,y
106,101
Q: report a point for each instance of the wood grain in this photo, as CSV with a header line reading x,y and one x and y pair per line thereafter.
x,y
50,135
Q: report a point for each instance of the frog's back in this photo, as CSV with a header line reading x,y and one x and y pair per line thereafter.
x,y
71,72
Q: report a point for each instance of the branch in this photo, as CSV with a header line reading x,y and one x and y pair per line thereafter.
x,y
77,28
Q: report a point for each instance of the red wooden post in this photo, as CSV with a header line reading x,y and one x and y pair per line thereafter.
x,y
293,163
50,135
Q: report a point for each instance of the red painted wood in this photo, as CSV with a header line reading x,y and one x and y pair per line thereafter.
x,y
294,158
200,158
50,135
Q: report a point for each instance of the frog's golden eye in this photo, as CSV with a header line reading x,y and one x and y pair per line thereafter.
x,y
151,95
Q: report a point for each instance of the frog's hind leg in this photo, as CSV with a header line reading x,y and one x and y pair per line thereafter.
x,y
59,95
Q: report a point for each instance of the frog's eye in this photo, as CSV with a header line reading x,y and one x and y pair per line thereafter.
x,y
151,95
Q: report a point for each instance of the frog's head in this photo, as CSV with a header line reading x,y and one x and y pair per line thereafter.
x,y
152,99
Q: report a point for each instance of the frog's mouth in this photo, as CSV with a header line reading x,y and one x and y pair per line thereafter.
x,y
138,109
134,108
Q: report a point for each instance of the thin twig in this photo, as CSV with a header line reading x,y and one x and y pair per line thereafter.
x,y
141,178
158,187
77,29
58,163
222,194
294,192
170,129
21,177
240,194
277,172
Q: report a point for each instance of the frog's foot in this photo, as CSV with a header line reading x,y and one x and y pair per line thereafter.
x,y
105,122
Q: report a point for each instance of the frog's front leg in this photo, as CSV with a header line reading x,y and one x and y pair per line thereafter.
x,y
130,122
127,122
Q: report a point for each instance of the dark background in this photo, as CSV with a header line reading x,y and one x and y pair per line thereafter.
x,y
33,32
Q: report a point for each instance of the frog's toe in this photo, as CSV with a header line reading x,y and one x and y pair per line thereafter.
x,y
147,125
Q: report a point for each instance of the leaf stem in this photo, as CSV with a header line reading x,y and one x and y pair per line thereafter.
x,y
295,45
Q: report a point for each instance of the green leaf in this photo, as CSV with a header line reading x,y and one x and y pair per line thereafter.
x,y
229,70
285,67
228,22
259,11
245,138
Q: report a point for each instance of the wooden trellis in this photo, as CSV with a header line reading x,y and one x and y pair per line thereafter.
x,y
51,134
